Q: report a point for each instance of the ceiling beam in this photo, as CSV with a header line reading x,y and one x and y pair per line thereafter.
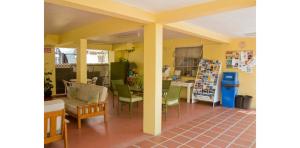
x,y
108,7
197,31
132,15
200,10
101,28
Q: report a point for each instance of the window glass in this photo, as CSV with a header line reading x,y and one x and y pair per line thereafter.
x,y
97,56
68,56
65,56
187,60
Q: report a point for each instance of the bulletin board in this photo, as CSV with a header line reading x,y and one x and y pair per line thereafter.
x,y
243,60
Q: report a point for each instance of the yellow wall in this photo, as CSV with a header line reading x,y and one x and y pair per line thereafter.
x,y
211,50
136,56
49,66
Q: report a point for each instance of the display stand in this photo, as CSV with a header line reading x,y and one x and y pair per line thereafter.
x,y
206,86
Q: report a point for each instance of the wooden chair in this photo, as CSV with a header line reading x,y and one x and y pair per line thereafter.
x,y
55,127
94,80
95,105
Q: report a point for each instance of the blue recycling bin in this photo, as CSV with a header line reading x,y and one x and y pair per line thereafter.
x,y
230,85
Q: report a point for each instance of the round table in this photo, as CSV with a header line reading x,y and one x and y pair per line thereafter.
x,y
89,81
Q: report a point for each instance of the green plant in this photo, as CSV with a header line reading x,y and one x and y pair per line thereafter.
x,y
47,84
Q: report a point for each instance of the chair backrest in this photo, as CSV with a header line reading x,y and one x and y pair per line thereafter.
x,y
54,120
88,93
173,93
166,84
66,84
114,84
123,91
94,80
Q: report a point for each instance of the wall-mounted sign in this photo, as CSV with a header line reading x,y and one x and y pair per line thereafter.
x,y
47,50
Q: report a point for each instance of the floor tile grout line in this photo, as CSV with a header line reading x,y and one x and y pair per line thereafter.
x,y
195,126
252,143
241,133
200,123
228,129
213,111
210,127
185,130
213,127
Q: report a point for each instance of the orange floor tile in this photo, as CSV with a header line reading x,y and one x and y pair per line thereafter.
x,y
199,125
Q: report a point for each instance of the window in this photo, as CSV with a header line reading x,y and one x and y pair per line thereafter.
x,y
187,60
97,56
68,56
65,56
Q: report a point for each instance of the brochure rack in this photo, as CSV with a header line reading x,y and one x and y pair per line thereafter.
x,y
206,87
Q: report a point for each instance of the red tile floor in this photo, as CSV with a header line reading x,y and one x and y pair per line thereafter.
x,y
199,125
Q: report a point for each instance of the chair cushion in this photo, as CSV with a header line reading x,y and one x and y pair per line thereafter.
x,y
50,106
53,105
103,93
134,99
90,93
72,92
170,102
71,105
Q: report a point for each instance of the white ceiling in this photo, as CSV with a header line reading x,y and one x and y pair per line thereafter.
x,y
237,23
134,36
156,6
58,19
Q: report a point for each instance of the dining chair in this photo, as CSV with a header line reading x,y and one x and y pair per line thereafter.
x,y
114,84
66,84
165,86
172,98
94,80
126,97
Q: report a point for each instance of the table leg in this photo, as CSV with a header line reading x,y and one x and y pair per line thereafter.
x,y
188,97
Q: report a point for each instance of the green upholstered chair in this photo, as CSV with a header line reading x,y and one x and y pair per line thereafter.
x,y
165,86
114,84
172,98
126,97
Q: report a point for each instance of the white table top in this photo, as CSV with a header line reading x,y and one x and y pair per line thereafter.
x,y
181,83
74,80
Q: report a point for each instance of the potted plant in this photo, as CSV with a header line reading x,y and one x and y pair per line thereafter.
x,y
47,85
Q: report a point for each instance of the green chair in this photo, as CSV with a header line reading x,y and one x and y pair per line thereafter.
x,y
172,98
165,86
126,97
114,84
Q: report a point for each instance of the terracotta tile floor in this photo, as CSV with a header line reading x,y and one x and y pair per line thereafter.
x,y
199,125
221,128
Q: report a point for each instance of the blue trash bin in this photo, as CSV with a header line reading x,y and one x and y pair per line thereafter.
x,y
230,85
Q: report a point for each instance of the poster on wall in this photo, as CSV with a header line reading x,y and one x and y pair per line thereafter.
x,y
243,60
